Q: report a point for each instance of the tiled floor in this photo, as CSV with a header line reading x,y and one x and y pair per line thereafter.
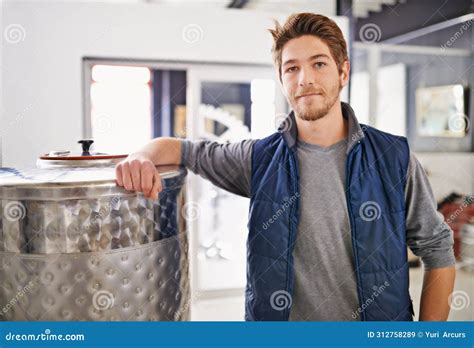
x,y
232,309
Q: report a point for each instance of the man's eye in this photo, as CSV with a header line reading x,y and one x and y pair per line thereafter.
x,y
291,69
320,64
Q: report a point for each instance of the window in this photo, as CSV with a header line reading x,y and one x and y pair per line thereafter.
x,y
120,108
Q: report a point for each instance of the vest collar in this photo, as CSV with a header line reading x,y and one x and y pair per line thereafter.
x,y
289,130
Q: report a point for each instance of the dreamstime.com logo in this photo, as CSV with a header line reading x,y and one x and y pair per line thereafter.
x,y
282,123
103,300
370,211
455,215
281,300
102,123
459,300
44,336
359,134
22,292
459,123
14,33
191,211
284,206
370,33
103,212
179,313
192,33
462,30
377,291
14,211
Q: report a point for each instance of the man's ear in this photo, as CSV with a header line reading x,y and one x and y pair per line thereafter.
x,y
346,68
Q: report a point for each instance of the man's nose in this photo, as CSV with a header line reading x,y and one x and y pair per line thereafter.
x,y
306,78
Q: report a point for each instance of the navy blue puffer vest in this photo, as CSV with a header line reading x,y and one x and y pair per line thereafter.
x,y
376,168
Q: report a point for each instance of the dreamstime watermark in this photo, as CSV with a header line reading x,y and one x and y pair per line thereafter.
x,y
370,33
286,204
14,33
459,300
458,123
359,134
454,215
102,123
281,300
14,211
377,291
44,336
192,33
184,309
103,300
23,291
14,121
282,122
463,29
181,133
467,201
191,211
103,212
370,211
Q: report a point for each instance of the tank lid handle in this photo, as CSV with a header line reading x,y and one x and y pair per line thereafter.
x,y
86,145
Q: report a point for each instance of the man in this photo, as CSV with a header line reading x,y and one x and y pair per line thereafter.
x,y
333,204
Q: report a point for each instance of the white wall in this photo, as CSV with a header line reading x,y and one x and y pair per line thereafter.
x,y
449,172
42,74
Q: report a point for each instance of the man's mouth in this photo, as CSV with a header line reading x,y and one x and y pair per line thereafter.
x,y
308,95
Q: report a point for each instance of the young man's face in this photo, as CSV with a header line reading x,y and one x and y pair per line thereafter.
x,y
310,77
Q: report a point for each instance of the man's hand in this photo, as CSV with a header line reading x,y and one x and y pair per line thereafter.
x,y
137,172
438,285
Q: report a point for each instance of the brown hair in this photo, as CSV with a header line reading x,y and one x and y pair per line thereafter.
x,y
300,24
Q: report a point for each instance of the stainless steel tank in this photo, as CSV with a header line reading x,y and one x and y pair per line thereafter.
x,y
75,246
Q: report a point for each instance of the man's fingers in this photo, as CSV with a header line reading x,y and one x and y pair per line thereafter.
x,y
135,171
118,174
127,180
138,175
157,186
148,174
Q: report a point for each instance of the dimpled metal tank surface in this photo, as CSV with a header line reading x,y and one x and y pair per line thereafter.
x,y
75,246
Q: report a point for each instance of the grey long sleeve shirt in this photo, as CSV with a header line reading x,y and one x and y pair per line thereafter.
x,y
229,167
325,283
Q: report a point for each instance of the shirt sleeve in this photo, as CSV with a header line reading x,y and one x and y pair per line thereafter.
x,y
428,235
228,166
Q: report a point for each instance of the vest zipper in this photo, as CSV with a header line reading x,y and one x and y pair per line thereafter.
x,y
353,234
291,230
